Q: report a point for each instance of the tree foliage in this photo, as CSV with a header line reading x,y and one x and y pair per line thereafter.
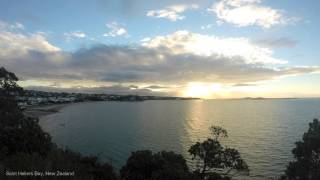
x,y
144,165
8,84
307,156
83,167
214,160
17,132
218,132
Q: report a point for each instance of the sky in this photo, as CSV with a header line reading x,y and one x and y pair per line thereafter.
x,y
190,48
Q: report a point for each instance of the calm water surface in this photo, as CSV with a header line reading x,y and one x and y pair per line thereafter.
x,y
264,131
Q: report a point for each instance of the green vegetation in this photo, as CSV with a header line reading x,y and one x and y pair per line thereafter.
x,y
24,146
307,156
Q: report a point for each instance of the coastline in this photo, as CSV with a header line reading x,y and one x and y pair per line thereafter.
x,y
44,110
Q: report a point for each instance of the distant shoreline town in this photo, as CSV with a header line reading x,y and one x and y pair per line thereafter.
x,y
37,98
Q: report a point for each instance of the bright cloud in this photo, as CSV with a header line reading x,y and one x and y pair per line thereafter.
x,y
146,39
182,42
115,30
74,34
78,34
208,26
248,12
15,44
173,13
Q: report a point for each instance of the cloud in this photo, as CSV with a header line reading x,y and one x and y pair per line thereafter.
x,y
249,12
146,39
208,26
173,13
17,44
243,85
7,26
78,34
137,8
156,87
74,34
276,42
13,41
115,30
177,58
182,42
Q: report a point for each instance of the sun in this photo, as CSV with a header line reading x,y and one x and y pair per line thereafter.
x,y
201,90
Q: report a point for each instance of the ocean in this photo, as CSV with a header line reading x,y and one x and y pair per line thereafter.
x,y
264,131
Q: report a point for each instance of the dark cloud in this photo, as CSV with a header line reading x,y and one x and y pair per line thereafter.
x,y
156,87
243,85
119,76
142,65
133,87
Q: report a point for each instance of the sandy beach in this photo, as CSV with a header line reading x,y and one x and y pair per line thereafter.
x,y
39,111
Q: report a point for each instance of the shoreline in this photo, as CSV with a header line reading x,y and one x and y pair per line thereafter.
x,y
44,110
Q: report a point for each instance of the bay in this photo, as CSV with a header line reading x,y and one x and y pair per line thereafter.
x,y
264,131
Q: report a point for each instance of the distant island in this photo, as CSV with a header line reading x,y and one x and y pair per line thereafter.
x,y
260,98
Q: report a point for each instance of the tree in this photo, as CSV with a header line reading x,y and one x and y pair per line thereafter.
x,y
307,155
82,167
17,132
215,161
8,85
144,165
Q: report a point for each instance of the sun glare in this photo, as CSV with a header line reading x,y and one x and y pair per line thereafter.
x,y
201,90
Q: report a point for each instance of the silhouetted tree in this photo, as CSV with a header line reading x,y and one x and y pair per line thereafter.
x,y
17,132
8,85
215,161
144,165
83,167
307,155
